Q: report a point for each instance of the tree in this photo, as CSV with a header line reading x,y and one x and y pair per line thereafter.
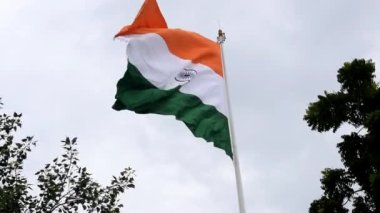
x,y
63,185
357,103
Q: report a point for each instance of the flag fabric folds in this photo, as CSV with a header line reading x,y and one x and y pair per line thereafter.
x,y
174,72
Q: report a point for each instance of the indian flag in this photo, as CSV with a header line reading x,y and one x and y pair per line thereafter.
x,y
174,72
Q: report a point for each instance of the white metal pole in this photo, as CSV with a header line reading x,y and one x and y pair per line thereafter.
x,y
239,186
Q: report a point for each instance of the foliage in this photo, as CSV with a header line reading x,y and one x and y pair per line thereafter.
x,y
63,185
357,103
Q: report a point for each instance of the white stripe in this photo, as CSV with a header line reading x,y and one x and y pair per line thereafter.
x,y
150,54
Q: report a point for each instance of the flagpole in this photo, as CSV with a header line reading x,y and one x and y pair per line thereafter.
x,y
221,39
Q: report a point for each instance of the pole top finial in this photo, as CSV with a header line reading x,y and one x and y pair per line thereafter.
x,y
221,37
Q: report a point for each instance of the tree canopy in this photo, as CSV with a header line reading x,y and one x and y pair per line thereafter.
x,y
62,185
357,103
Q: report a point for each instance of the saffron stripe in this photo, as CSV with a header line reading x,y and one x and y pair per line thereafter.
x,y
187,45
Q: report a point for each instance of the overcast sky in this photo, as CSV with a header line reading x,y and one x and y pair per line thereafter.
x,y
59,67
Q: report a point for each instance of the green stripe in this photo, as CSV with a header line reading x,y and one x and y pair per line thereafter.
x,y
136,93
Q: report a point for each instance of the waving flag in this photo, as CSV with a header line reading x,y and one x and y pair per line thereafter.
x,y
174,72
